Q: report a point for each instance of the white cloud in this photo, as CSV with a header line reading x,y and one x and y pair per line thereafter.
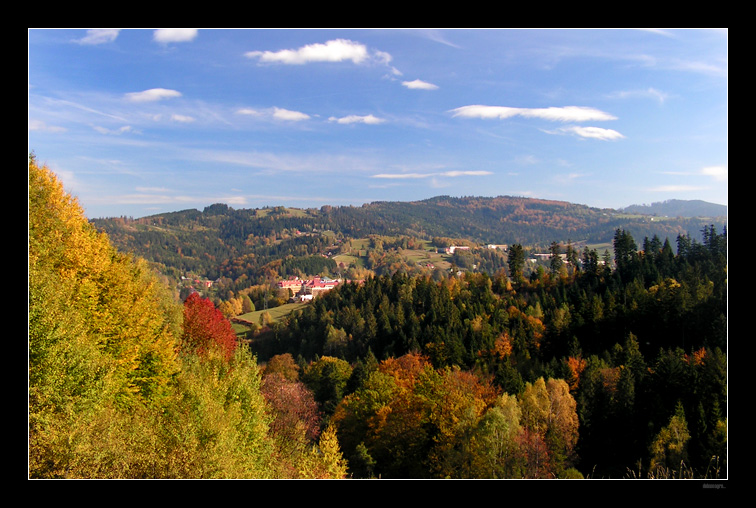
x,y
719,173
40,126
382,57
338,50
465,173
153,94
285,114
103,130
593,132
277,113
182,118
554,114
249,112
166,35
100,36
419,85
367,119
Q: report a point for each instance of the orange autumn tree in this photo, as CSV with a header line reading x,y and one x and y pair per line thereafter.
x,y
456,401
410,420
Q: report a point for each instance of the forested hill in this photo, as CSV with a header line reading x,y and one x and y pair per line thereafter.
x,y
499,220
508,220
680,208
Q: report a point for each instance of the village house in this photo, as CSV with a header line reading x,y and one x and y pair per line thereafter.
x,y
451,249
306,289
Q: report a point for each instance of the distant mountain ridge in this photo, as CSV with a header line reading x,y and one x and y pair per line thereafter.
x,y
221,241
499,220
679,208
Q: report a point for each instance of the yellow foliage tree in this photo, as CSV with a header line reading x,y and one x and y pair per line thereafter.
x,y
109,396
102,335
124,310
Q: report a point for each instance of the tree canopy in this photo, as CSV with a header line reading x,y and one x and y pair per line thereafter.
x,y
122,384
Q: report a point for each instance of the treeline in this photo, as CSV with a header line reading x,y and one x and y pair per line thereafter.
x,y
641,342
126,382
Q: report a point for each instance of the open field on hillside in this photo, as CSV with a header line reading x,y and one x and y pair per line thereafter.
x,y
425,256
276,313
349,260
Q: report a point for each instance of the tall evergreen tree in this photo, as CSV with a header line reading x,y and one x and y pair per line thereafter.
x,y
516,262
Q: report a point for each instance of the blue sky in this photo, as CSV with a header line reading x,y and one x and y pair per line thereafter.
x,y
137,122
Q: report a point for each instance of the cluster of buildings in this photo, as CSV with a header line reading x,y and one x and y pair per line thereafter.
x,y
197,282
452,248
306,289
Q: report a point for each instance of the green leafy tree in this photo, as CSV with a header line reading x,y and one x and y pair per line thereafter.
x,y
327,377
494,442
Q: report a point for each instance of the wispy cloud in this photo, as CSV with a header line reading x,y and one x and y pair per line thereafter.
x,y
419,85
100,36
698,67
410,176
719,173
675,188
288,115
275,113
554,114
366,119
120,130
167,35
437,36
592,132
182,118
651,93
249,112
40,126
142,198
60,106
271,163
527,160
152,95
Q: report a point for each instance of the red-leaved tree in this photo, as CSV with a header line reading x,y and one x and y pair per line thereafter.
x,y
206,327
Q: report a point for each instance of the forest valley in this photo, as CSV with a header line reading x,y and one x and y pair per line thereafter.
x,y
582,366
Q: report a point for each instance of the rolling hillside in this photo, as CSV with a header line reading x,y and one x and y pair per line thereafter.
x,y
223,241
680,208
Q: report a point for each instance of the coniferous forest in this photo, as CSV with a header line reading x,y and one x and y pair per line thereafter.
x,y
587,365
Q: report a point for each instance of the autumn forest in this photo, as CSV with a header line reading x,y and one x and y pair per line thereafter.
x,y
555,342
